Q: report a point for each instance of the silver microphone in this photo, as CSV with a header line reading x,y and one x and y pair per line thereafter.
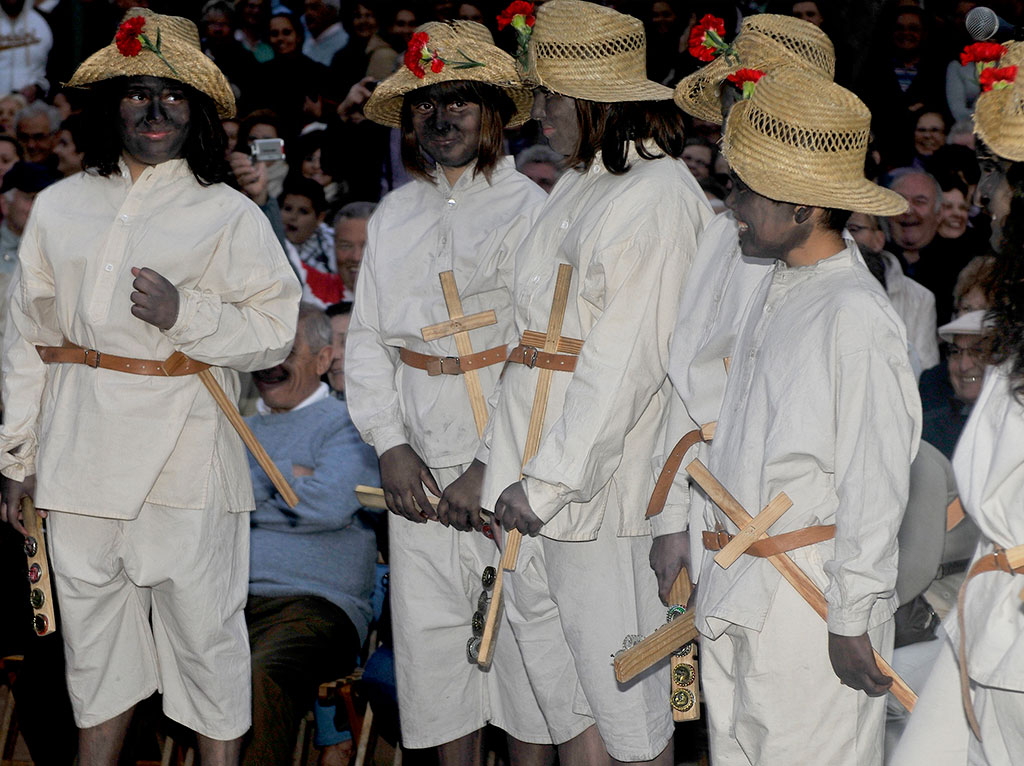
x,y
982,23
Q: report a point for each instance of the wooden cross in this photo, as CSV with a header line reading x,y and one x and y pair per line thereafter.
x,y
685,699
41,593
459,325
788,568
510,555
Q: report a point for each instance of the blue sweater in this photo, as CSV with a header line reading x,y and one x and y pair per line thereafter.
x,y
322,547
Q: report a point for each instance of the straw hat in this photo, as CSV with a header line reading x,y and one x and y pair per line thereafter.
x,y
999,114
766,41
454,43
180,57
803,139
587,51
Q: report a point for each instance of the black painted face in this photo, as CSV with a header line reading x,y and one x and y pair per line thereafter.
x,y
155,116
448,129
767,228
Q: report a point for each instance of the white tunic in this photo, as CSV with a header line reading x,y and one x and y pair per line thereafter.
x,y
103,442
989,468
821,404
630,240
417,232
916,306
718,293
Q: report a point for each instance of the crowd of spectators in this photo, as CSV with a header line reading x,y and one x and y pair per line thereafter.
x,y
301,71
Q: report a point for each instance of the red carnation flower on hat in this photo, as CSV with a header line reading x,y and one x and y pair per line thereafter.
x,y
127,37
414,53
982,53
706,38
997,78
436,64
745,79
520,8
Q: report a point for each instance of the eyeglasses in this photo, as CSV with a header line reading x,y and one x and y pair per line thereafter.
x,y
954,352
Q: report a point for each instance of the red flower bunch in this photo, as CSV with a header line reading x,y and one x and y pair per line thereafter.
x,y
519,8
982,53
417,54
996,79
127,38
414,54
131,40
706,39
745,79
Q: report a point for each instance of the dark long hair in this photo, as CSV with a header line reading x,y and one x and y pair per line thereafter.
x,y
1007,287
496,109
613,127
204,147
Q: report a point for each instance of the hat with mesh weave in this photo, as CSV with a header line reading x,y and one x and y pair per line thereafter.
x,y
449,52
999,113
800,138
766,41
151,44
590,52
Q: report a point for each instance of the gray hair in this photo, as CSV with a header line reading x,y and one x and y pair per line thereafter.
x,y
900,174
37,108
354,211
539,153
314,327
218,6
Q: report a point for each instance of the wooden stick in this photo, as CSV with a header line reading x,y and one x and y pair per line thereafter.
x,y
459,324
789,570
465,347
513,537
690,691
753,531
657,646
373,497
954,514
41,591
234,416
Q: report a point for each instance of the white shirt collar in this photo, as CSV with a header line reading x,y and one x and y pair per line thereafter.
x,y
322,392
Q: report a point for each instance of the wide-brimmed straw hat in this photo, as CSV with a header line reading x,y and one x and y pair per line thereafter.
x,y
766,41
465,50
999,113
590,52
158,46
800,138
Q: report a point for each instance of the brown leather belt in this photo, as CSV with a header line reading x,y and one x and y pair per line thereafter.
x,y
671,468
776,544
176,364
453,365
531,356
998,560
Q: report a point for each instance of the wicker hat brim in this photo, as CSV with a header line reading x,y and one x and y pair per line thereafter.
x,y
603,91
807,185
191,67
997,127
385,105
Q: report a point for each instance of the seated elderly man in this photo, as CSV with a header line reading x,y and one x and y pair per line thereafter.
x,y
311,572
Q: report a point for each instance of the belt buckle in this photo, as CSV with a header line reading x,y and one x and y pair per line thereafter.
x,y
530,362
96,359
436,366
724,538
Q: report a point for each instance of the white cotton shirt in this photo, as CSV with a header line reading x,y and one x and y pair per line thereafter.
x,y
417,232
989,468
103,442
821,404
916,306
26,64
720,288
630,239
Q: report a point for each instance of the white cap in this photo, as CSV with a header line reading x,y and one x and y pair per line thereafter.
x,y
971,323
